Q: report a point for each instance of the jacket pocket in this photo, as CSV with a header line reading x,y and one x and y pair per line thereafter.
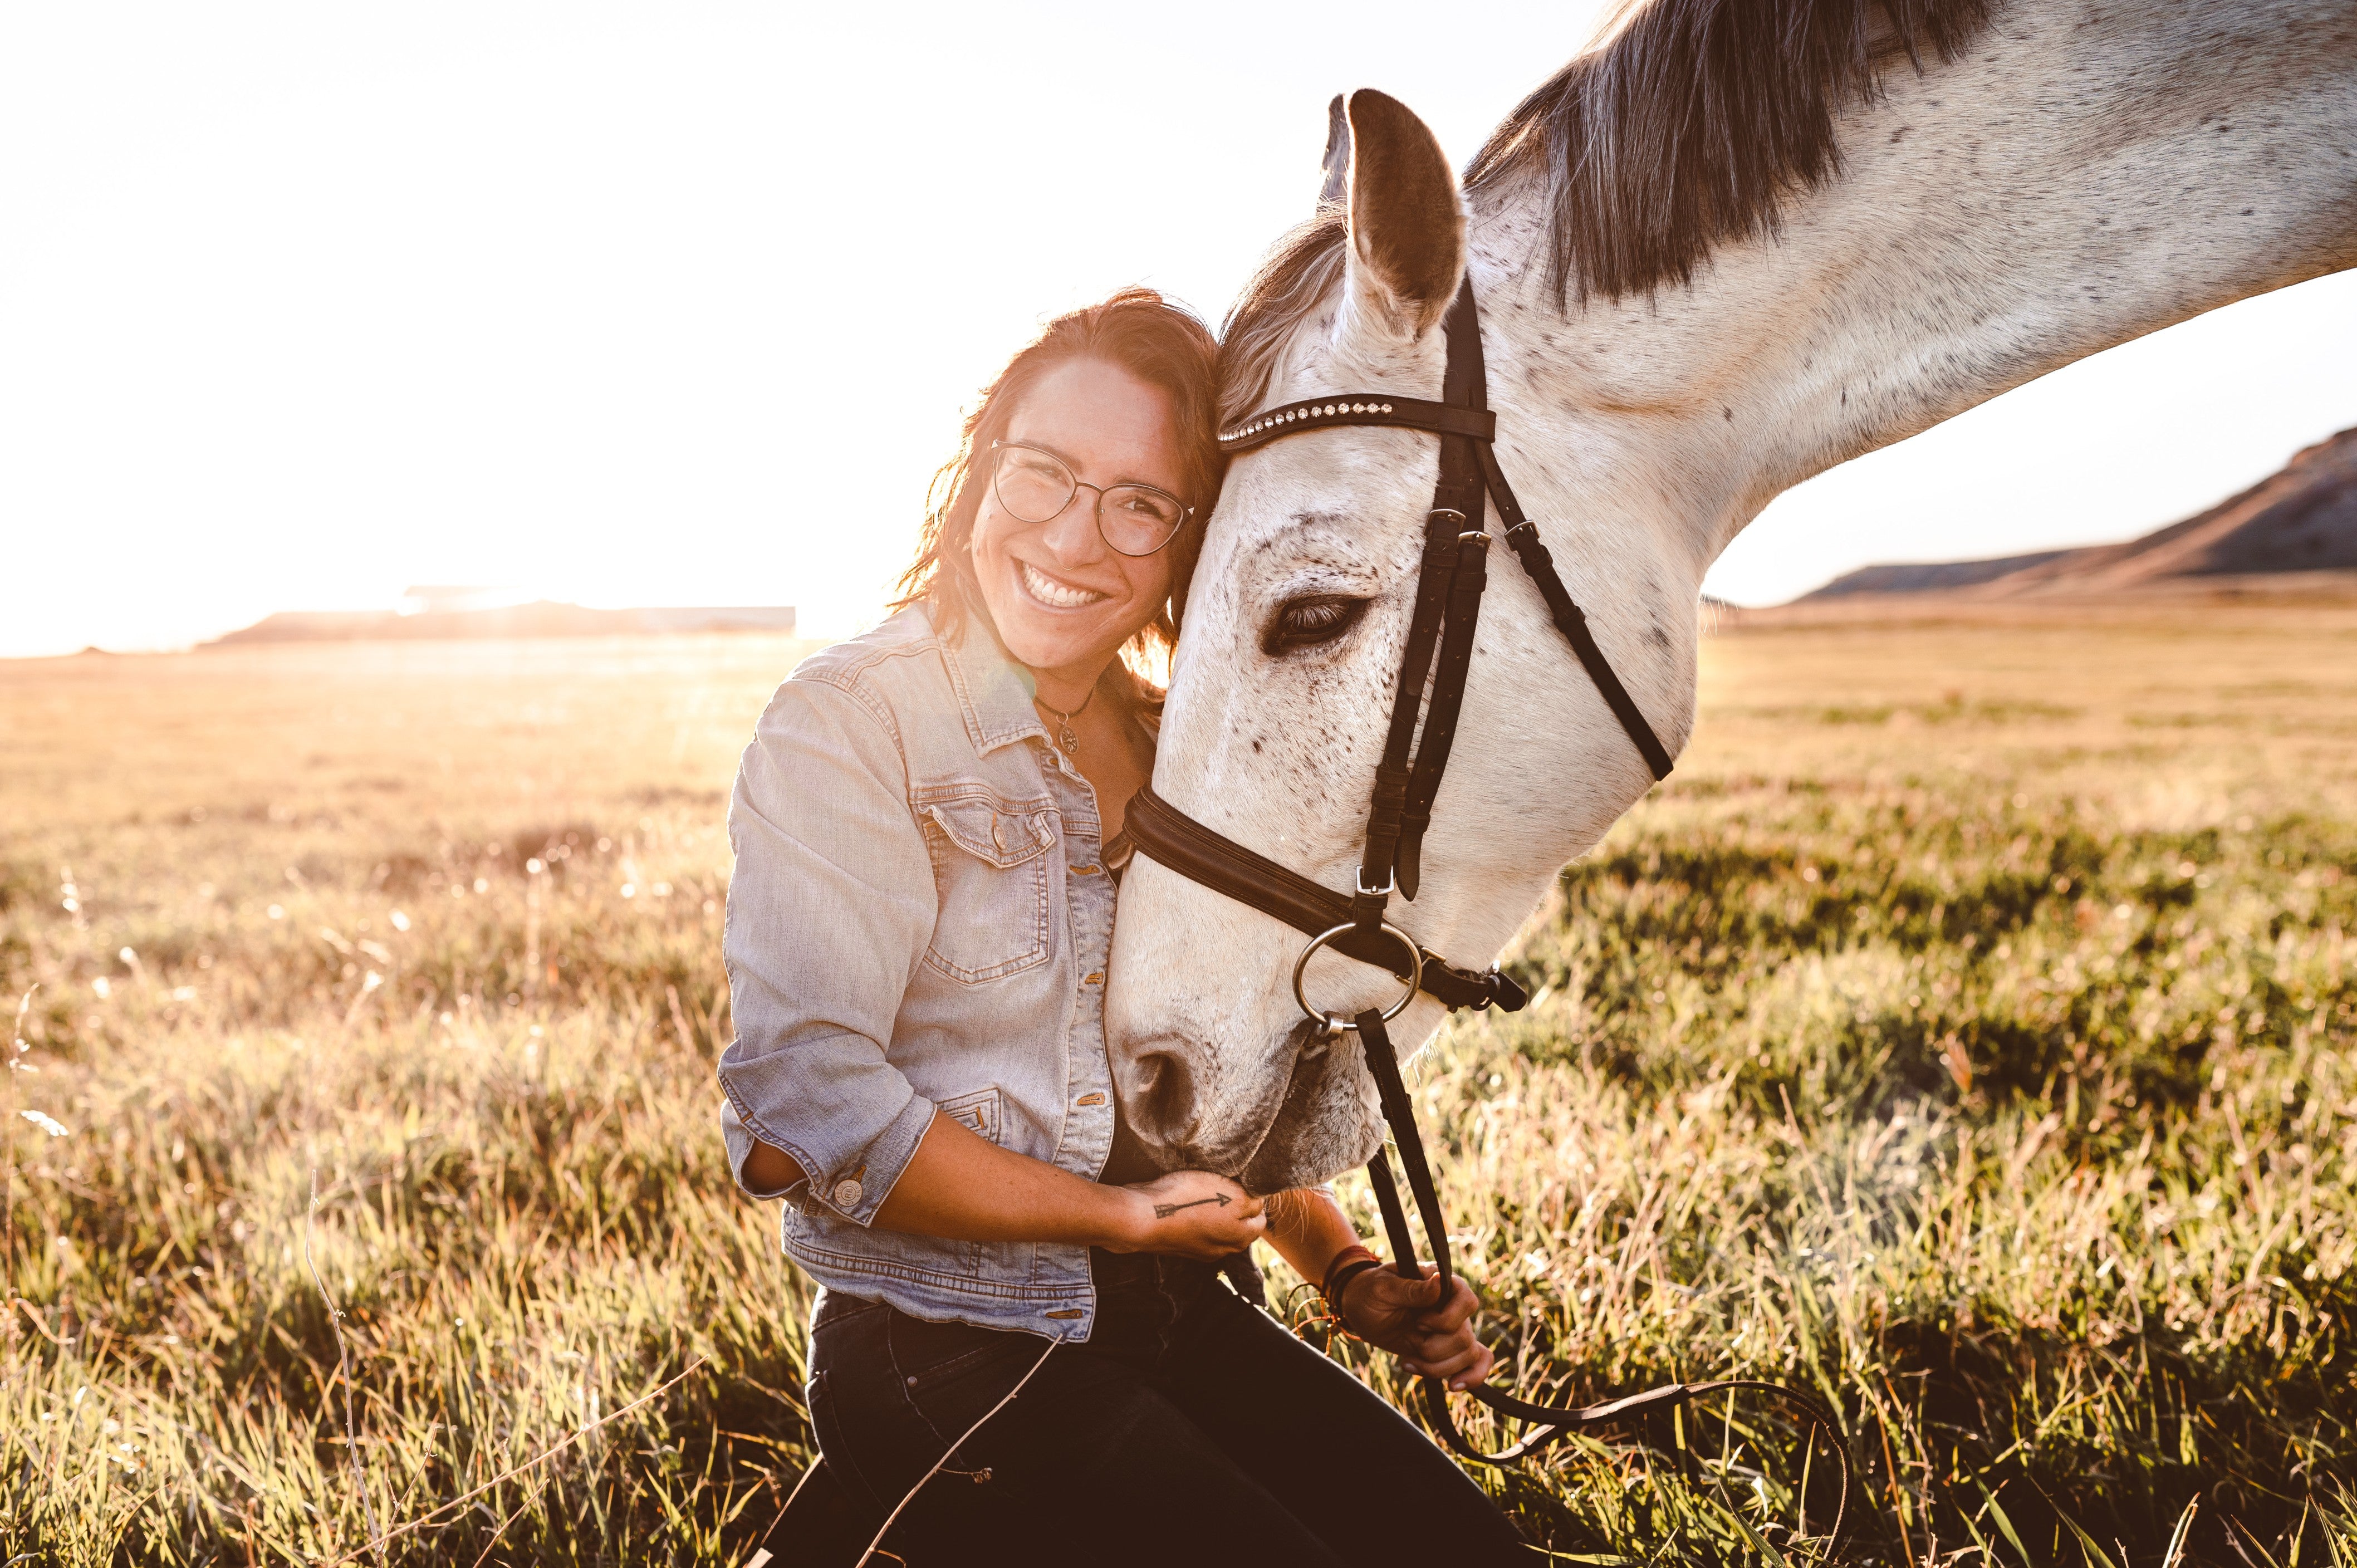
x,y
979,1111
990,871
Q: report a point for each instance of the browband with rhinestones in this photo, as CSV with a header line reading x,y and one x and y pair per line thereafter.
x,y
1359,408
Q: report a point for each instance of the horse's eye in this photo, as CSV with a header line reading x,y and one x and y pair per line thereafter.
x,y
1305,623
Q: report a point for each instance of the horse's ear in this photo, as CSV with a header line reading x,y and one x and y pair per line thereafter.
x,y
1407,223
1337,189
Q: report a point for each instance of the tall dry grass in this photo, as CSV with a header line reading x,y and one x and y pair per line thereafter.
x,y
1964,1033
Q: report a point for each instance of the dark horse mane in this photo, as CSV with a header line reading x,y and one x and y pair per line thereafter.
x,y
1686,129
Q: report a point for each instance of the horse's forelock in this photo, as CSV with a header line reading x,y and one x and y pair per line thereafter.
x,y
1302,270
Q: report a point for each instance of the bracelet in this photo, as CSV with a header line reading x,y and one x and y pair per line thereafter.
x,y
1344,1275
1349,1255
1338,1277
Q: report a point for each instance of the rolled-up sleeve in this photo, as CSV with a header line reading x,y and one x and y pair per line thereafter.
x,y
829,909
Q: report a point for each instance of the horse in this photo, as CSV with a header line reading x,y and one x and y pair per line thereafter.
x,y
1732,245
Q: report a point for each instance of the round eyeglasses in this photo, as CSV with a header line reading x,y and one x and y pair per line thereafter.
x,y
1035,486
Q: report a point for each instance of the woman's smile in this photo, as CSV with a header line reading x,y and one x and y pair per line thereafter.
x,y
1054,593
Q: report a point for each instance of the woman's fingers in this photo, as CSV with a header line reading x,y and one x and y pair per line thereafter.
x,y
1236,1235
1180,1191
1462,1370
1442,1309
1442,1366
1440,1347
1402,1299
1429,1329
1425,1305
1455,1310
1193,1214
1200,1214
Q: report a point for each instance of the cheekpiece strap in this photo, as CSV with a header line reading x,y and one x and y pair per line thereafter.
x,y
1359,408
1163,832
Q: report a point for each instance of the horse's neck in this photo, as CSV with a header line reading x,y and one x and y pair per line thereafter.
x,y
2084,174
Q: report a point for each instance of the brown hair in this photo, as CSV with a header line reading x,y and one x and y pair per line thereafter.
x,y
1158,341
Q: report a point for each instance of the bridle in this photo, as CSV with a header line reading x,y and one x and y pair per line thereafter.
x,y
1433,668
1455,571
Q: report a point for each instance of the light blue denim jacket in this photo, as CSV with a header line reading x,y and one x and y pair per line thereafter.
x,y
920,918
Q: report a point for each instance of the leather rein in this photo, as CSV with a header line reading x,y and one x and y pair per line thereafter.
x,y
1436,661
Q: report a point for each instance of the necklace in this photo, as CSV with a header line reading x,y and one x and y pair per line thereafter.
x,y
1065,738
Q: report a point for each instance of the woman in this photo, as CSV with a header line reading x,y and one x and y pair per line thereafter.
x,y
928,835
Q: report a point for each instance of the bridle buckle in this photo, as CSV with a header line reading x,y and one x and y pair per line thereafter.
x,y
1390,887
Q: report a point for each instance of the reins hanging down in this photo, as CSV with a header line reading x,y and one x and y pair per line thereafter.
x,y
1434,664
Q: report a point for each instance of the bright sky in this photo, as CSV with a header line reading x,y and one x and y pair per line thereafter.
x,y
302,304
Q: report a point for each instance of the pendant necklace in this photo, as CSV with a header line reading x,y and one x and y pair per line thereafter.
x,y
1065,738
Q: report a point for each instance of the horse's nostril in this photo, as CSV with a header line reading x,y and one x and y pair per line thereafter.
x,y
1164,1110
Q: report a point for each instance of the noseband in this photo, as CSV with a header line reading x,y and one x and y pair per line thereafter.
x,y
1433,668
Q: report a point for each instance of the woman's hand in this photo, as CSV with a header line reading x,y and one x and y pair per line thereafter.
x,y
1191,1213
1408,1317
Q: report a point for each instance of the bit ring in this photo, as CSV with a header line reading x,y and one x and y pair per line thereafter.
x,y
1336,1020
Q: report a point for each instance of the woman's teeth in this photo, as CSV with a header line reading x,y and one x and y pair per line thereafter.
x,y
1054,594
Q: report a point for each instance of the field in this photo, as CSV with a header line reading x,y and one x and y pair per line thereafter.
x,y
1965,1032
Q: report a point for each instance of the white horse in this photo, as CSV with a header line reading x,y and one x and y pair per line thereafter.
x,y
1736,243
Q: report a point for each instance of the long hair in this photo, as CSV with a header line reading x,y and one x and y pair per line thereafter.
x,y
1159,342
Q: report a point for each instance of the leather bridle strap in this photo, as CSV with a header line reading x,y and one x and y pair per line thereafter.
x,y
1178,840
1539,565
1460,492
1547,1422
1359,408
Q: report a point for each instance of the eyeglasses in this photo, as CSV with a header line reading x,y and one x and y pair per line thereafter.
x,y
1035,486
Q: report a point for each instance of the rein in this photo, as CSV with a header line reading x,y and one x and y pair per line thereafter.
x,y
1436,661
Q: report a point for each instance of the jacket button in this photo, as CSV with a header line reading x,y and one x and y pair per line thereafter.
x,y
1095,979
846,1194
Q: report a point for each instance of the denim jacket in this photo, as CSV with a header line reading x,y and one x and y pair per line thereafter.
x,y
919,920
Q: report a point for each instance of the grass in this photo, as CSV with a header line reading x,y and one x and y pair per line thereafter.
x,y
1964,1034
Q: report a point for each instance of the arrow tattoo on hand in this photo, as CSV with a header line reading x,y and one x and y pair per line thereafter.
x,y
1165,1210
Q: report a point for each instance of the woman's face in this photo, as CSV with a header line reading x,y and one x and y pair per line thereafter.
x,y
1064,601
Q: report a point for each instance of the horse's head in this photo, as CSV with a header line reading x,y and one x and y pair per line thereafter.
x,y
1729,247
1283,681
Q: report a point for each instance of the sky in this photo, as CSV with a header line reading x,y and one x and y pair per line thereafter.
x,y
302,303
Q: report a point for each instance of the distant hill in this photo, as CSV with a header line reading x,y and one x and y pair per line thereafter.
x,y
2301,519
545,617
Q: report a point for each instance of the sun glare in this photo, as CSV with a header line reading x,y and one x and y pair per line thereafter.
x,y
301,307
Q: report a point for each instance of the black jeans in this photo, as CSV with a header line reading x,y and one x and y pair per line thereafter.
x,y
1189,1429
